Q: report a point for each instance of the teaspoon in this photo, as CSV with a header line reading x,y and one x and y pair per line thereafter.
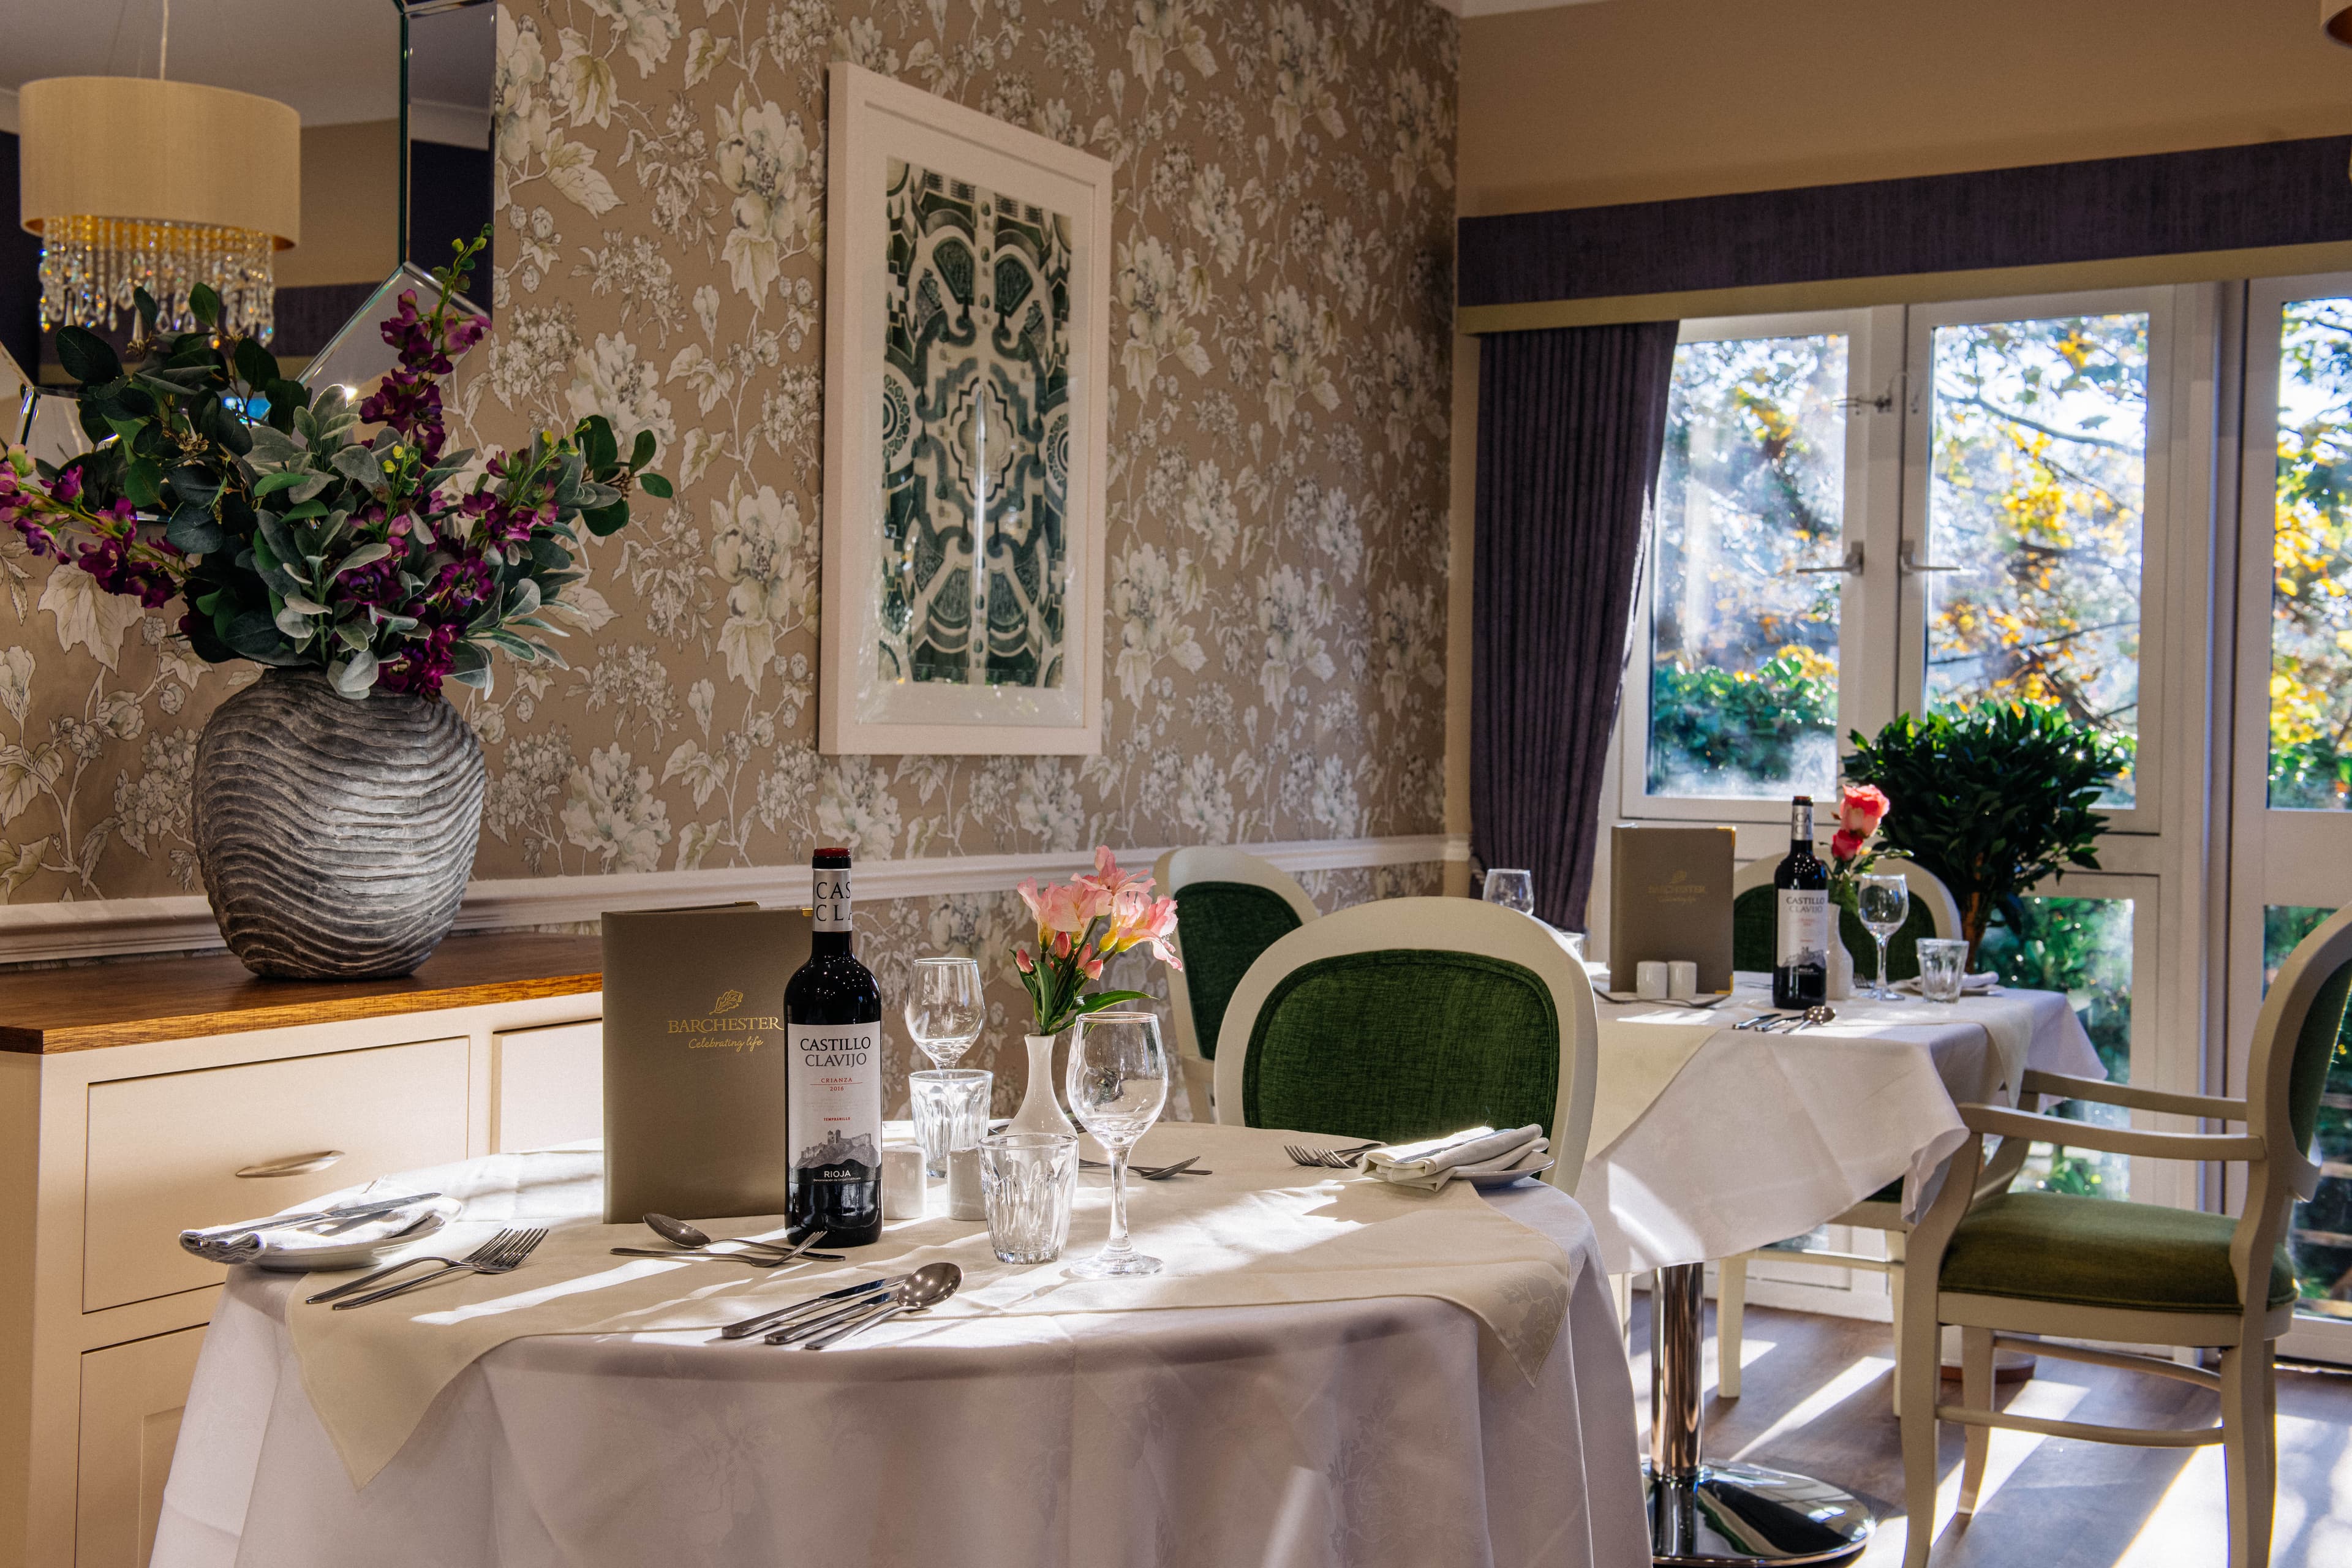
x,y
694,1237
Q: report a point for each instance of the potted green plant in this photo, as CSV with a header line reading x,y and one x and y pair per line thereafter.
x,y
338,799
1992,798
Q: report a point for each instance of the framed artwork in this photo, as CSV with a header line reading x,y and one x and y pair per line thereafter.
x,y
967,359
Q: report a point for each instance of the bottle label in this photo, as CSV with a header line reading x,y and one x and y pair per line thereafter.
x,y
830,906
834,1123
1804,928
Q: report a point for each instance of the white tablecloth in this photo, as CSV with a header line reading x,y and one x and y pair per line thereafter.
x,y
1708,1141
1365,1433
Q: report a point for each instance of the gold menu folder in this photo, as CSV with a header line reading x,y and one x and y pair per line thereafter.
x,y
1670,898
695,1066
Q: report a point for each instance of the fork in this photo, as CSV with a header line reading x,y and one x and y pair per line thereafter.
x,y
1331,1159
502,1254
1152,1173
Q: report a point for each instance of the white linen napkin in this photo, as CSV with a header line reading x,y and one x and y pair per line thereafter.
x,y
1434,1161
217,1245
1983,984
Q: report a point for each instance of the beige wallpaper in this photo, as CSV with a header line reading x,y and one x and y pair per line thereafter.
x,y
1277,480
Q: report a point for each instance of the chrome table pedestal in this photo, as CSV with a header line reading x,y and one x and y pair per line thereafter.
x,y
1710,1515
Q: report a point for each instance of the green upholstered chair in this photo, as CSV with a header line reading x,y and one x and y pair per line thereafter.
x,y
1409,1017
1231,906
2032,1264
1933,912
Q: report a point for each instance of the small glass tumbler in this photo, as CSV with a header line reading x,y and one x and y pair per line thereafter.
x,y
1028,1178
951,1112
1943,965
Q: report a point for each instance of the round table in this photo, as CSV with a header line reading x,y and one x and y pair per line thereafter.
x,y
1368,1434
1709,1140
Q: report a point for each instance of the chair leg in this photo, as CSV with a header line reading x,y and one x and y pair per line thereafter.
x,y
1895,1289
2247,1434
1976,1393
1730,1324
1918,1366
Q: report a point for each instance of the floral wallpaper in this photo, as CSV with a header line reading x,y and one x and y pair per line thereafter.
x,y
1278,478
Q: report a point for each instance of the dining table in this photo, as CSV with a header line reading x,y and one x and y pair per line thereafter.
x,y
1331,1371
1711,1137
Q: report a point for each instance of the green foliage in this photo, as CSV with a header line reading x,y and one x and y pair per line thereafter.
x,y
1992,798
1721,723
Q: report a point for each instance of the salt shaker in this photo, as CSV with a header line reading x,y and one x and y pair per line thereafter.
x,y
903,1185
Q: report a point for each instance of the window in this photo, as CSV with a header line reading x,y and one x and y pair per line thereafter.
x,y
2082,947
1743,618
2311,562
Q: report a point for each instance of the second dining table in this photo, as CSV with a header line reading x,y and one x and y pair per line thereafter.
x,y
1708,1141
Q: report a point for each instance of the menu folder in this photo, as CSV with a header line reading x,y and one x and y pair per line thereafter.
x,y
1669,899
694,1067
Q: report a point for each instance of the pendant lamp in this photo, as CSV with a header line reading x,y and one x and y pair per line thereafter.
x,y
162,185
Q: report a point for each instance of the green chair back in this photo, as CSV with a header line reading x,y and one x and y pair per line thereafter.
x,y
1402,1043
1755,935
2315,1050
1222,928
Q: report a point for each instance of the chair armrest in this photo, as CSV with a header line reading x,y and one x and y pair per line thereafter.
x,y
2001,1121
2066,1085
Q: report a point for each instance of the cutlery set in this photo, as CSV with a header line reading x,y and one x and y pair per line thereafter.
x,y
1787,1023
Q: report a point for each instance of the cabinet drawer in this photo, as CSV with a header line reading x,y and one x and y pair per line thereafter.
x,y
551,1085
164,1152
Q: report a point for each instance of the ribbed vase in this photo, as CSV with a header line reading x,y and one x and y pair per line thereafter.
x,y
335,836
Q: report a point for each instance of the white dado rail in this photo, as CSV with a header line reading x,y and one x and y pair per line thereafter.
x,y
29,933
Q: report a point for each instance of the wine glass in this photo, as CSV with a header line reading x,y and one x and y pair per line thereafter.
x,y
945,1008
1117,1083
1511,889
1883,900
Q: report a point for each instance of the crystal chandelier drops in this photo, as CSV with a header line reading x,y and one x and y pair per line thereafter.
x,y
90,267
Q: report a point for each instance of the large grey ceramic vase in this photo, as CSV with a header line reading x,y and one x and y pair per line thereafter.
x,y
336,837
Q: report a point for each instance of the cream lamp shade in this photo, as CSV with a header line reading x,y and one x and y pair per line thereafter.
x,y
162,185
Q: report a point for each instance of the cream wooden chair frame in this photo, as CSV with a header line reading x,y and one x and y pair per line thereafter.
x,y
1731,1275
1444,925
2277,1175
1174,869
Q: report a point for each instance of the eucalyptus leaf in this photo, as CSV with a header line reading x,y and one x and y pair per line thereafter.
x,y
85,355
354,677
654,485
194,529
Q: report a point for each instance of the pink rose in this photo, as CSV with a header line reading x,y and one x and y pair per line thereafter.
x,y
1860,807
1845,846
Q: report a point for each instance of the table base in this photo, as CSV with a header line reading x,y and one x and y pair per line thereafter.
x,y
1746,1515
1711,1515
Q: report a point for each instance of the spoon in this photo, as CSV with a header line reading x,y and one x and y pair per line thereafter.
x,y
923,1291
750,1259
694,1237
932,1281
816,1306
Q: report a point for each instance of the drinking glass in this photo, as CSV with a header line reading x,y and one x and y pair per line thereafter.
x,y
1027,1179
951,1112
1511,889
1117,1083
945,1009
1883,900
1943,965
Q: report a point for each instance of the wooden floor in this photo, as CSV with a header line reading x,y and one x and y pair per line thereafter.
x,y
1814,1399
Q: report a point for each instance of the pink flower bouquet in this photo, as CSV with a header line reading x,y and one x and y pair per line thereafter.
x,y
1093,917
1861,808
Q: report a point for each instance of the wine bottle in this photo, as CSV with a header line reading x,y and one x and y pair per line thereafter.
x,y
1800,899
833,1031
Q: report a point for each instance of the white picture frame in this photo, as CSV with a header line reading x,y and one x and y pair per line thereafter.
x,y
1024,673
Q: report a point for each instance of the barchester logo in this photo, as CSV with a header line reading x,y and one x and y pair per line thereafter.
x,y
722,1028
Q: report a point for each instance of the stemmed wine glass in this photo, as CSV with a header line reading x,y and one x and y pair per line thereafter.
x,y
1883,900
1117,1083
1511,889
945,1008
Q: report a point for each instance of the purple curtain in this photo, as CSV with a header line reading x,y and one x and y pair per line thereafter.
x,y
1571,423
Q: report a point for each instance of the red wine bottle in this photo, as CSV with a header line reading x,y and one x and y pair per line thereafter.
x,y
1802,932
833,1029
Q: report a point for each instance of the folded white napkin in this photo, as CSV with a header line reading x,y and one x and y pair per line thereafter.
x,y
1982,984
219,1244
1434,1161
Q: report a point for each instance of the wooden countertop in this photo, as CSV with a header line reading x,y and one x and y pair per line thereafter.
x,y
131,1003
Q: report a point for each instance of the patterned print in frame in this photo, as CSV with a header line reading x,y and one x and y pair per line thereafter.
x,y
967,404
975,434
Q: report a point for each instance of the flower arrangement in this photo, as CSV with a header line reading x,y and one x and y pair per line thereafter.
x,y
292,537
1081,924
1854,847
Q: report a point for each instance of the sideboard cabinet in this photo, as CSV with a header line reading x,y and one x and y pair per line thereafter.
x,y
143,1097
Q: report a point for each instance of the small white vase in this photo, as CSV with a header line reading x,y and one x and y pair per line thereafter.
x,y
1840,981
1040,1110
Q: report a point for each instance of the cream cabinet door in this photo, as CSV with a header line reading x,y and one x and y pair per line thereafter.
x,y
132,1397
181,1150
551,1085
